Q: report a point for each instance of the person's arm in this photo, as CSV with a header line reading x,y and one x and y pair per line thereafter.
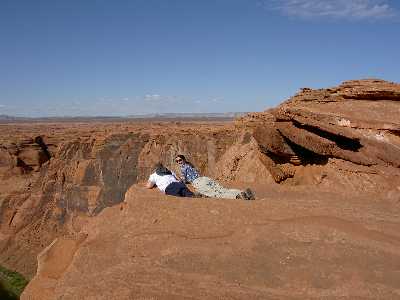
x,y
151,182
177,177
184,175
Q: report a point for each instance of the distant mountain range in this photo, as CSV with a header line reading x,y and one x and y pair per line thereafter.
x,y
190,115
156,116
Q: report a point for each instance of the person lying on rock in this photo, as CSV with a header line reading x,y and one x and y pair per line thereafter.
x,y
167,182
207,186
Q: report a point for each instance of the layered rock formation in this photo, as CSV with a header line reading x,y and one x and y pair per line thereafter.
x,y
355,124
343,141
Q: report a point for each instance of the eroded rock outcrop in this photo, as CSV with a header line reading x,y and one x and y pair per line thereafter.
x,y
344,139
24,156
356,122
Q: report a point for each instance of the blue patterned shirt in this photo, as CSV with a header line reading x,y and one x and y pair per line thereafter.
x,y
189,173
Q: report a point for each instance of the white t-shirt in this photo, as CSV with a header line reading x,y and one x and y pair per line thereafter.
x,y
162,181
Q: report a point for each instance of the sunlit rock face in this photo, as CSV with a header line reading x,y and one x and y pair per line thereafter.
x,y
356,124
87,169
297,243
56,176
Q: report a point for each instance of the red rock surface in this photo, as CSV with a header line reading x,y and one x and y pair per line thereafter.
x,y
324,165
91,166
296,243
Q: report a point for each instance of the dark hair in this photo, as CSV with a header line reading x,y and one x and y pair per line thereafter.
x,y
181,156
161,170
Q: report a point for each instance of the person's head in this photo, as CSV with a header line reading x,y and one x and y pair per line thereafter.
x,y
160,170
180,159
157,165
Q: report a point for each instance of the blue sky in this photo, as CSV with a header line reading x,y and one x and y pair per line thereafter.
x,y
103,57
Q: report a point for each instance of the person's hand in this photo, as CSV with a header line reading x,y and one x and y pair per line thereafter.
x,y
149,185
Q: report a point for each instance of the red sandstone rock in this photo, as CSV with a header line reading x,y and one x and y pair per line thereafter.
x,y
294,244
341,143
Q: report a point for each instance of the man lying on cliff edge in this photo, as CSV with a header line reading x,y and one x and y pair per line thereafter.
x,y
206,186
167,182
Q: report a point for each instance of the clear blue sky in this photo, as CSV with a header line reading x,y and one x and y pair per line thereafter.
x,y
103,57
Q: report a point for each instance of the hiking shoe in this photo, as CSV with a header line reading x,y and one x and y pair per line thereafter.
x,y
198,195
246,195
249,194
242,196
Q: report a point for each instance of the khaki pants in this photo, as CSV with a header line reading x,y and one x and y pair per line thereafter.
x,y
210,188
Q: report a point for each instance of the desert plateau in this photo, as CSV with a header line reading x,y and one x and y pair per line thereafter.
x,y
77,221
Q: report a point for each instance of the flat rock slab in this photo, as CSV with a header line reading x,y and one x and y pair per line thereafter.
x,y
290,244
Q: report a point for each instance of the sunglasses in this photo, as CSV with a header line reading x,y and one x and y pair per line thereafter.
x,y
179,161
